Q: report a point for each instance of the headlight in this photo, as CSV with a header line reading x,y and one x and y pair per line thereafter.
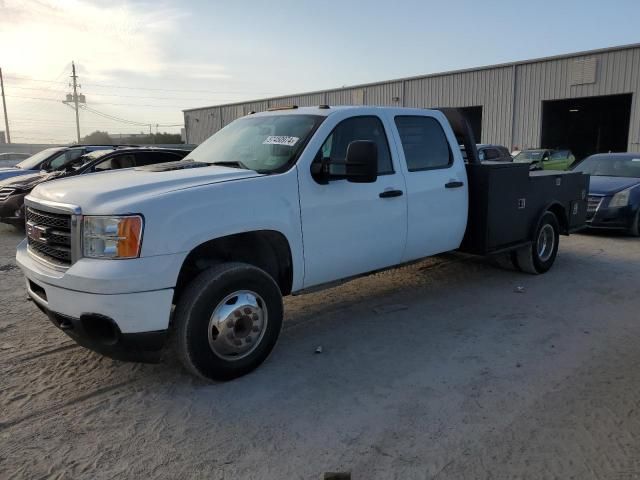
x,y
112,237
620,199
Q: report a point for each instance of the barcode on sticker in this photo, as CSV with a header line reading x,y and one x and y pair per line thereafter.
x,y
280,140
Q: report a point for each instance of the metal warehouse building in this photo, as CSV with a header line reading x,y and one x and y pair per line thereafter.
x,y
587,101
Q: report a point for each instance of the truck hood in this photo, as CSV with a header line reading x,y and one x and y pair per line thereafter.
x,y
601,185
96,191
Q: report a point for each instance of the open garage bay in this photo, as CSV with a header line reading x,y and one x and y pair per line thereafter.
x,y
445,369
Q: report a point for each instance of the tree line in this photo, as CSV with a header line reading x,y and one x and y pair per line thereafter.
x,y
103,138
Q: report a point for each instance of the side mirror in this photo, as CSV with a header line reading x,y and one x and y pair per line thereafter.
x,y
361,163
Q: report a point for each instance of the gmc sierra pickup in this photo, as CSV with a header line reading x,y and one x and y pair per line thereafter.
x,y
202,250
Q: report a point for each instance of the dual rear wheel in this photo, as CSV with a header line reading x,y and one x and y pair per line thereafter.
x,y
539,256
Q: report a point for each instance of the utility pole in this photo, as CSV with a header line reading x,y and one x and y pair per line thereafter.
x,y
4,106
75,97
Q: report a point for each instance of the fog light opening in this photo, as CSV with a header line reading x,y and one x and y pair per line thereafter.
x,y
100,328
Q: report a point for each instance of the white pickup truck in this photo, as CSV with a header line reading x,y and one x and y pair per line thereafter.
x,y
280,202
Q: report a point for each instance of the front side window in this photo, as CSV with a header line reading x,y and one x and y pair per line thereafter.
x,y
65,158
424,143
266,144
368,128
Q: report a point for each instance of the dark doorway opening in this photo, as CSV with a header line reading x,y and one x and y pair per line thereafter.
x,y
474,117
587,125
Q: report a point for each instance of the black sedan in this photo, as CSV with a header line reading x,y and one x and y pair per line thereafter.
x,y
13,190
614,192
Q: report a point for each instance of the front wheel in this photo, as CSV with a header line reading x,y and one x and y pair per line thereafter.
x,y
540,255
228,320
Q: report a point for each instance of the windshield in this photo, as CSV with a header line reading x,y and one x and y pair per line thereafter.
x,y
610,166
264,143
34,161
529,155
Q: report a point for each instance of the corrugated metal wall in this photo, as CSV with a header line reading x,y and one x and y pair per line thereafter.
x,y
511,95
616,72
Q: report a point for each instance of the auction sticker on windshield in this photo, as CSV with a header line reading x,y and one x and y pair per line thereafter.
x,y
280,140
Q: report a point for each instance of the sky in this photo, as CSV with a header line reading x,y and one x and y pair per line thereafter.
x,y
143,62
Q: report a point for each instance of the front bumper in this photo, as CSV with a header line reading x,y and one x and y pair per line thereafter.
x,y
616,218
101,334
100,303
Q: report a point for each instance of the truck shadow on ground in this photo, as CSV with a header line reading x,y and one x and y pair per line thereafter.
x,y
448,320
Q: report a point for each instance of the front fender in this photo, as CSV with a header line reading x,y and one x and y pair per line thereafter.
x,y
179,221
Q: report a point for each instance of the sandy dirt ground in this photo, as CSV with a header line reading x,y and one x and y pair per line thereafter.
x,y
440,370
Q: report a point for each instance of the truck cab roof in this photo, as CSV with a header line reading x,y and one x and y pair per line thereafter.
x,y
327,110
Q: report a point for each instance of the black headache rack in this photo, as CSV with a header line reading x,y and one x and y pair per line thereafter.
x,y
506,200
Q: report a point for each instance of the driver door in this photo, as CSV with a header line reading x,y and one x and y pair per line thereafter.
x,y
352,228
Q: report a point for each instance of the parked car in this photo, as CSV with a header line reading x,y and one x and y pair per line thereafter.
x,y
49,159
614,191
10,159
546,159
277,202
490,153
14,190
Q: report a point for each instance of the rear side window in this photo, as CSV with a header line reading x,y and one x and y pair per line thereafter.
x,y
424,143
116,162
357,128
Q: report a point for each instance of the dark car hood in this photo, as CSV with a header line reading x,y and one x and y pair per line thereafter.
x,y
27,182
609,185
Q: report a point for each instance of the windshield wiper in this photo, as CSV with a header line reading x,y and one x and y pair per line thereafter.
x,y
232,164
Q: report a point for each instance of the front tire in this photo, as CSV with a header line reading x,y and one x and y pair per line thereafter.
x,y
228,320
541,254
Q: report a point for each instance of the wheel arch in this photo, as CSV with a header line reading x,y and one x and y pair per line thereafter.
x,y
560,212
268,250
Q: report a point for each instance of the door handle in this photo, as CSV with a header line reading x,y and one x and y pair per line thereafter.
x,y
390,193
454,184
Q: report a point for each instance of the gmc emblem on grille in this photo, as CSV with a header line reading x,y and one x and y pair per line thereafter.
x,y
36,232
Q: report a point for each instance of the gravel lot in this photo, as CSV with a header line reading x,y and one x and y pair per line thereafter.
x,y
438,370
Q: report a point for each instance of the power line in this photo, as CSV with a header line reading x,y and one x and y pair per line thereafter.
x,y
124,120
99,103
140,96
102,85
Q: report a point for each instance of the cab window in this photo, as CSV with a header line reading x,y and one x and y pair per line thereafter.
x,y
368,128
424,143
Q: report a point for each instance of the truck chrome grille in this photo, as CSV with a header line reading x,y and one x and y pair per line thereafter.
x,y
49,235
5,192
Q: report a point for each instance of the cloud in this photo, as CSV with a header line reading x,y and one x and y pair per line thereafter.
x,y
38,37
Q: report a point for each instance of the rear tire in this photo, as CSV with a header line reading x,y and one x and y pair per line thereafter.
x,y
227,321
541,254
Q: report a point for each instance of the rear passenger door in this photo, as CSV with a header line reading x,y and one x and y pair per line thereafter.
x,y
436,182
